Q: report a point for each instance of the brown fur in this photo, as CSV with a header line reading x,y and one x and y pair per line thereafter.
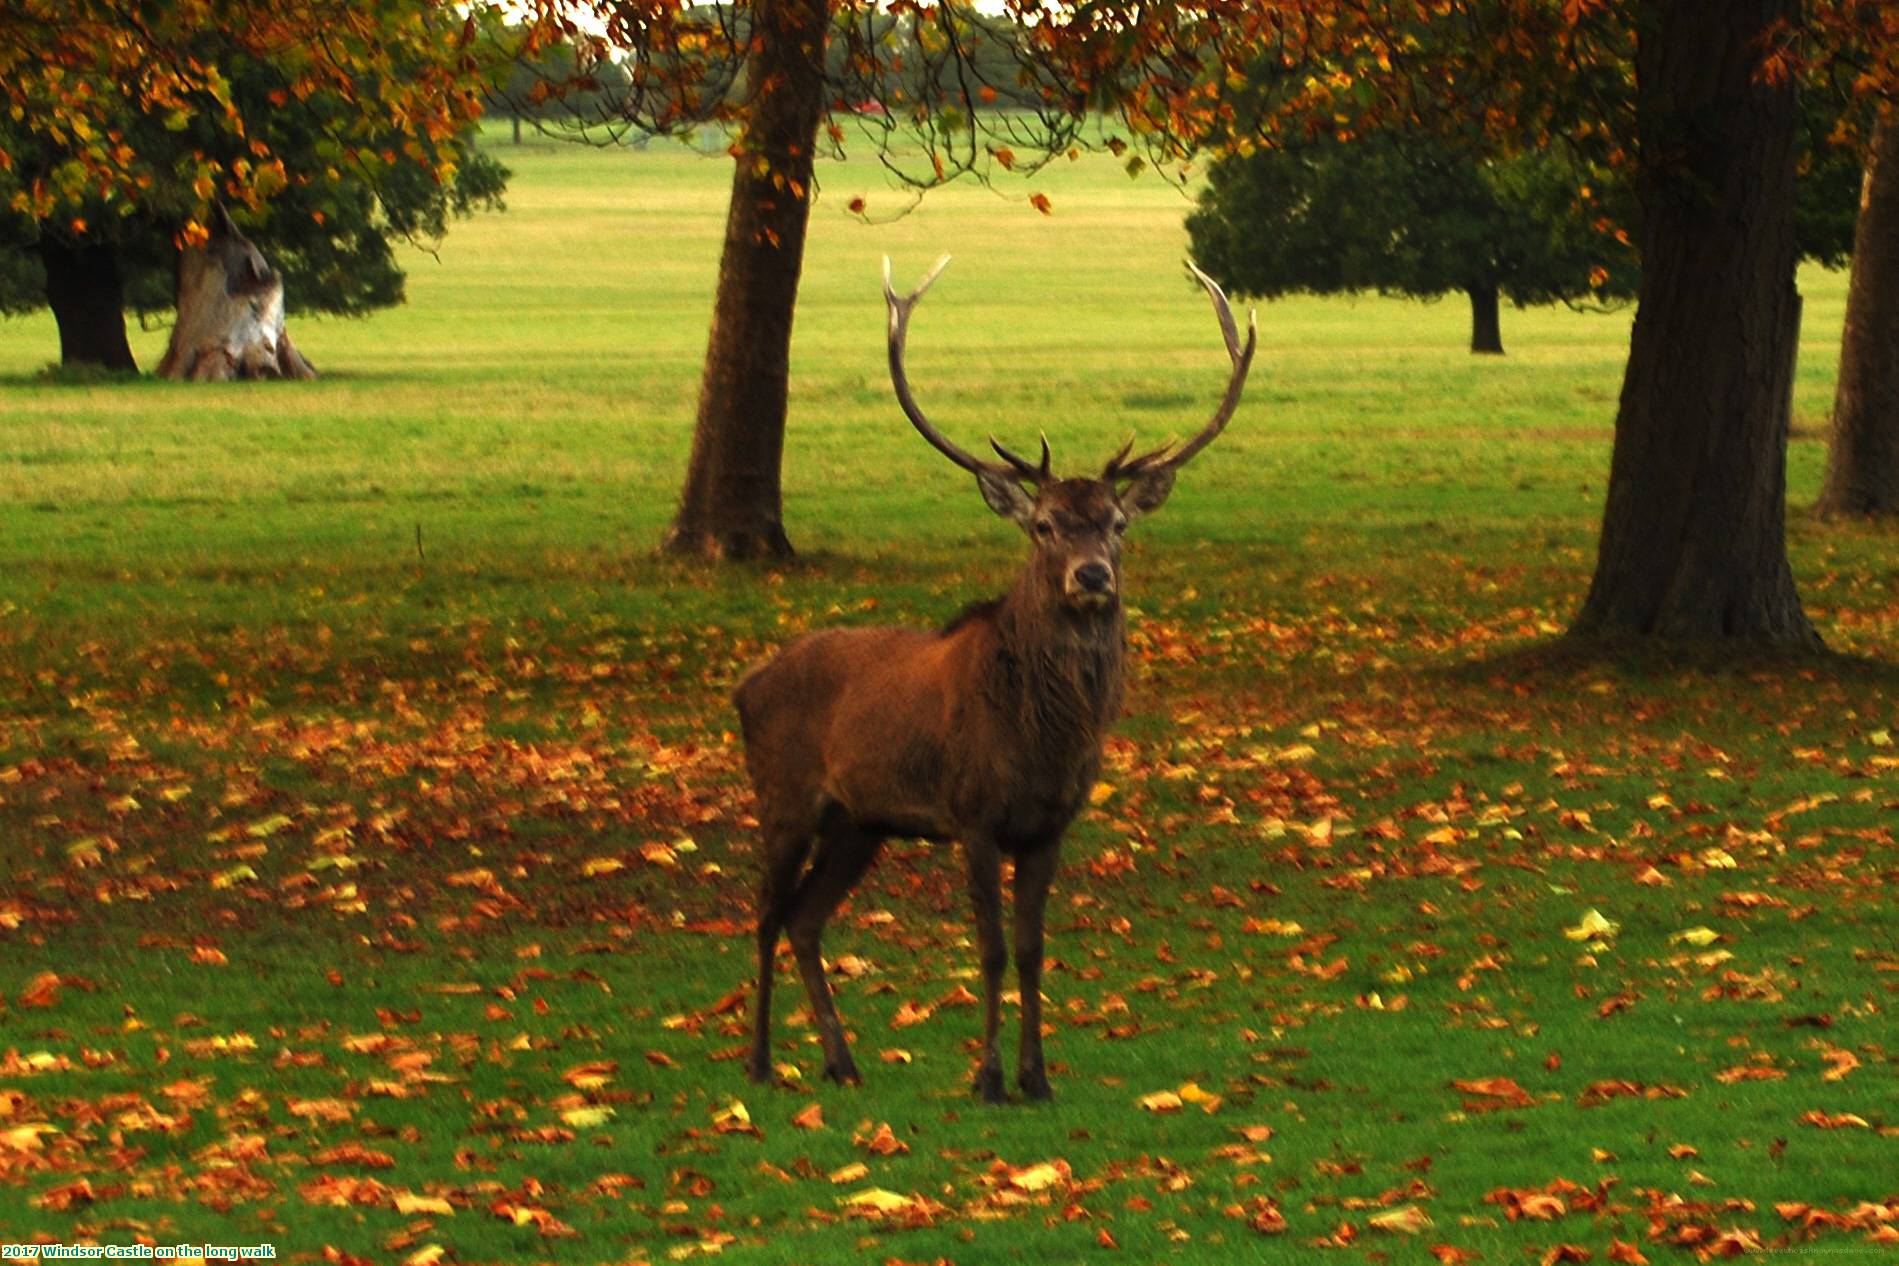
x,y
989,732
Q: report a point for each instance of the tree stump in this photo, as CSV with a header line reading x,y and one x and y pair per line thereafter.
x,y
230,314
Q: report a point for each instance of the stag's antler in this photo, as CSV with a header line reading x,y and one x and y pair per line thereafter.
x,y
1121,466
1017,468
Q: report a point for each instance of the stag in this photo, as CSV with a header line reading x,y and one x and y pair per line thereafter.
x,y
988,732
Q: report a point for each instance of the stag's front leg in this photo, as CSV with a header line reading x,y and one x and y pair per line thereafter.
x,y
1034,871
985,894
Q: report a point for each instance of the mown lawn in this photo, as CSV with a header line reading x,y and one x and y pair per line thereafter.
x,y
377,866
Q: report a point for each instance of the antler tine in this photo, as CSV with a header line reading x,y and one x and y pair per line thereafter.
x,y
1121,466
1221,309
900,308
1026,469
1242,358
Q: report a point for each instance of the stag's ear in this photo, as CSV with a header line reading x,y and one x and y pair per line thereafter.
x,y
1147,491
1006,496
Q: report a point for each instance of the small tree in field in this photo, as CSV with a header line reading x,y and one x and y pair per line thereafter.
x,y
329,130
1409,217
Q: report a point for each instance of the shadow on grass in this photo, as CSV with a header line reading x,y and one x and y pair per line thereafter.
x,y
57,375
1566,660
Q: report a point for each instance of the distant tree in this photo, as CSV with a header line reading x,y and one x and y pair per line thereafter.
x,y
123,123
1862,470
1408,216
543,84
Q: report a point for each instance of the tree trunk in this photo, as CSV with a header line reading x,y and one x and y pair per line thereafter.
x,y
1486,332
1694,533
87,296
731,507
1862,465
230,314
517,127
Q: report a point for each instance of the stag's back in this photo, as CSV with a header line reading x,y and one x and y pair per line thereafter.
x,y
834,702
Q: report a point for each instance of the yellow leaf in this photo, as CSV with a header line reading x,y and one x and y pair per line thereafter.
x,y
235,875
1593,925
1039,1177
1192,1093
1698,937
1161,1101
1410,1220
410,1202
26,1138
1101,792
876,1198
850,1173
427,1255
601,866
587,1118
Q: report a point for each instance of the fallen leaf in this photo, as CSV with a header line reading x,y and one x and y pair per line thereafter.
x,y
1409,1220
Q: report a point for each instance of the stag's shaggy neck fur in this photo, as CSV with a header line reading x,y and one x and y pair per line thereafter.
x,y
1059,670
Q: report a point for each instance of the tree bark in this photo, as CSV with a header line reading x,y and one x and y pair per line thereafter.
x,y
230,314
731,506
1862,466
1694,533
87,295
1486,330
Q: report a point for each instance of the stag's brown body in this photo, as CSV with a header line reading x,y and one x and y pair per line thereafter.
x,y
990,729
988,732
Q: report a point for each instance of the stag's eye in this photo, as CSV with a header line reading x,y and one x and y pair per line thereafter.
x,y
1044,529
1120,526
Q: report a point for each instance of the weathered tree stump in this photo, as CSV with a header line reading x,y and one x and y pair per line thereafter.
x,y
230,314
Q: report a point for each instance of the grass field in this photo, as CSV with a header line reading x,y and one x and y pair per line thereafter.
x,y
377,866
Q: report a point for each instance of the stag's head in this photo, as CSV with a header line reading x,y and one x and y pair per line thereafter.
x,y
1074,525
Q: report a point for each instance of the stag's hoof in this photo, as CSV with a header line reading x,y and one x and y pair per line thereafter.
x,y
1034,1083
989,1084
760,1070
844,1073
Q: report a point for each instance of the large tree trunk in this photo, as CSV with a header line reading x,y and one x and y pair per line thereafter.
x,y
731,506
1486,331
1862,468
1693,536
230,314
87,296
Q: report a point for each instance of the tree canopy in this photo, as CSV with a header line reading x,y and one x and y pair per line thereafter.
x,y
328,129
1412,217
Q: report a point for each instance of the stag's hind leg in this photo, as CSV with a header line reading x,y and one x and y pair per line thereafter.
x,y
786,846
845,851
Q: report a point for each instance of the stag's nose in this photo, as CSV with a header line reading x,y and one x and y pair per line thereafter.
x,y
1094,578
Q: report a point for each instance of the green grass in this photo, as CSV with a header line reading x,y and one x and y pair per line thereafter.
x,y
329,711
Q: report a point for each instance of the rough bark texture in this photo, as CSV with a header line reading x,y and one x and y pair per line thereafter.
x,y
230,314
1862,468
1693,535
87,296
731,507
1486,330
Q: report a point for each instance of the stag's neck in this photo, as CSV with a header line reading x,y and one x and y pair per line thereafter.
x,y
1062,669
